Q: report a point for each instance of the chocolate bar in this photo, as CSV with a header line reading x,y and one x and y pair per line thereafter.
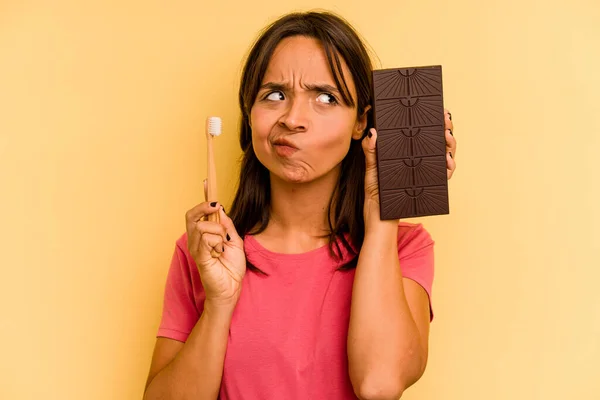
x,y
408,110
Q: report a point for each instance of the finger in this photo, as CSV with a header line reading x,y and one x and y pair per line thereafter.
x,y
231,234
450,143
194,241
195,234
368,145
195,214
450,164
211,246
213,228
448,120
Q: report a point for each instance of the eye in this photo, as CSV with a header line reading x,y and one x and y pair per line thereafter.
x,y
327,98
275,96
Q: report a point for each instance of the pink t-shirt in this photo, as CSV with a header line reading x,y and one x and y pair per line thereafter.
x,y
288,332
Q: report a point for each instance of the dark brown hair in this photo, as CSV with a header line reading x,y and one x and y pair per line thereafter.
x,y
250,209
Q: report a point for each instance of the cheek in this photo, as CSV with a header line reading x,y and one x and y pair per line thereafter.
x,y
331,147
336,145
339,134
260,126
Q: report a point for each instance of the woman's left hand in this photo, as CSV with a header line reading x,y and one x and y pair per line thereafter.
x,y
368,145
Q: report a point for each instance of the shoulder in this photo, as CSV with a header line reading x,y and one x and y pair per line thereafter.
x,y
413,237
183,270
183,294
416,255
183,278
181,247
181,242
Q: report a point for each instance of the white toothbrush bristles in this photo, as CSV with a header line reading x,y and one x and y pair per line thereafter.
x,y
214,126
213,129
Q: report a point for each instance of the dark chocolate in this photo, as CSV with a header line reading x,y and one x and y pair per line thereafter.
x,y
408,111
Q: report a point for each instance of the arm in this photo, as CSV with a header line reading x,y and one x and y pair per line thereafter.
x,y
389,319
192,370
389,315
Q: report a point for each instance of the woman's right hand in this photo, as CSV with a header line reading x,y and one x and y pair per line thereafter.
x,y
218,251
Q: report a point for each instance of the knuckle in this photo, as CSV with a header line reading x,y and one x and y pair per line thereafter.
x,y
200,227
206,239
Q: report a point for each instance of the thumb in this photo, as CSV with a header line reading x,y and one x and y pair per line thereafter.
x,y
229,227
368,145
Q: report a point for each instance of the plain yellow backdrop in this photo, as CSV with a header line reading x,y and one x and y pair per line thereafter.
x,y
102,107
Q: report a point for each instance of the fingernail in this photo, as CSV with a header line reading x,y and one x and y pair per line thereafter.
x,y
451,155
223,208
370,134
214,203
449,116
451,132
228,238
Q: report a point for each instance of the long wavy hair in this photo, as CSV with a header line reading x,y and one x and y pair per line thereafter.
x,y
250,210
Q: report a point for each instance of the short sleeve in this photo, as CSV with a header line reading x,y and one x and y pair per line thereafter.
x,y
416,255
181,297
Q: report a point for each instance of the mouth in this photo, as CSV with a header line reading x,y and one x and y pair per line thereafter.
x,y
284,148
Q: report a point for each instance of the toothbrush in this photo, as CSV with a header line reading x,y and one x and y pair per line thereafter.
x,y
213,129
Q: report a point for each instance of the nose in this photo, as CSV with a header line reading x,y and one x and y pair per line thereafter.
x,y
295,116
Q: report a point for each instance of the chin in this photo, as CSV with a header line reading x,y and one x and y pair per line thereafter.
x,y
287,171
293,175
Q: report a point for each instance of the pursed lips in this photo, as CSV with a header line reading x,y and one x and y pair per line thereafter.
x,y
284,147
284,142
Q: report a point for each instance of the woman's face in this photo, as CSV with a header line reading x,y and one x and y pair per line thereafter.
x,y
301,130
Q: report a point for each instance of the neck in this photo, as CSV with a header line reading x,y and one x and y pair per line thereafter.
x,y
301,209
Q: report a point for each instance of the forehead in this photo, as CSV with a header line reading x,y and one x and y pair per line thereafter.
x,y
302,58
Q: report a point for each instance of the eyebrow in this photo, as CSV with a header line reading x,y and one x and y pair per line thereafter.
x,y
313,87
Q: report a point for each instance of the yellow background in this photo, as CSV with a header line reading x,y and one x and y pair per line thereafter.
x,y
102,106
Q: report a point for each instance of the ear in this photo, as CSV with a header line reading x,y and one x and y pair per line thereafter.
x,y
361,124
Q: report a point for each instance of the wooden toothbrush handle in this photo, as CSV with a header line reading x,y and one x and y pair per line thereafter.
x,y
212,178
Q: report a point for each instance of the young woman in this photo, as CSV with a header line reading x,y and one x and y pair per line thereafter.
x,y
302,291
